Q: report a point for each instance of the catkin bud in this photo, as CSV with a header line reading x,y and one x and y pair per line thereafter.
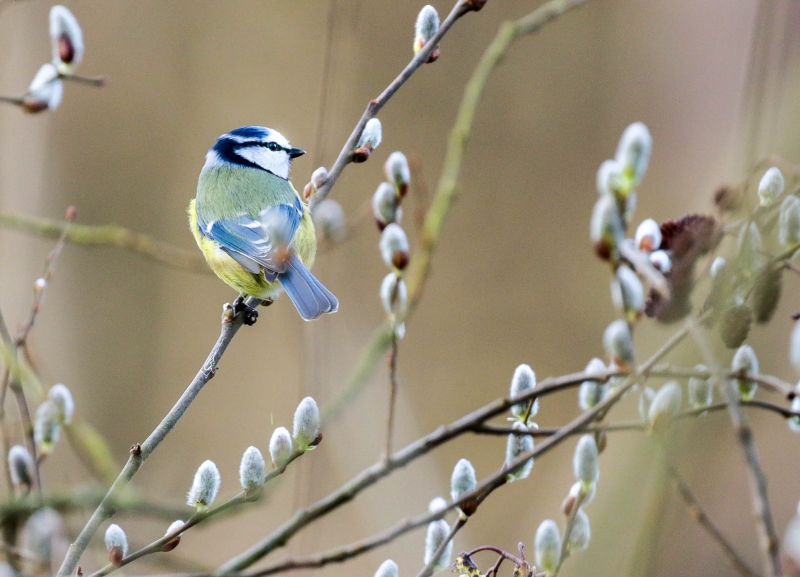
x,y
701,393
204,487
387,569
644,402
717,266
627,293
437,532
319,178
648,236
66,39
749,248
633,151
524,380
426,26
574,492
666,405
306,424
385,205
20,466
280,447
47,427
394,247
605,228
581,532
618,343
43,535
548,546
462,481
789,221
394,295
45,91
609,178
252,469
398,172
39,285
176,540
591,393
660,261
794,422
116,544
515,447
437,504
585,462
745,360
771,186
794,346
330,220
62,397
370,140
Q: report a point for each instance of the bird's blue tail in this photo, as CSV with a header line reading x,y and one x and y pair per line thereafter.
x,y
308,295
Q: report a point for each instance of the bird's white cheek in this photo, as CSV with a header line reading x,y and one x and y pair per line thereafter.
x,y
275,162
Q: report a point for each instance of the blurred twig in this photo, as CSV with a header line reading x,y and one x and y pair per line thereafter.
x,y
447,188
109,235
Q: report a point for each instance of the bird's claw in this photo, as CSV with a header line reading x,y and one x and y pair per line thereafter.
x,y
249,314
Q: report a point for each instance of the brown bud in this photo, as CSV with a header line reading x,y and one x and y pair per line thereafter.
x,y
361,154
136,450
476,4
66,50
32,106
469,507
400,259
603,250
602,441
80,571
308,191
171,544
727,199
71,214
115,555
567,504
435,54
317,440
228,313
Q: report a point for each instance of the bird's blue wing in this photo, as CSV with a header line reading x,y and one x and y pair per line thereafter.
x,y
257,242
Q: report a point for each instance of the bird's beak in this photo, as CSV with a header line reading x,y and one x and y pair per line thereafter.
x,y
295,152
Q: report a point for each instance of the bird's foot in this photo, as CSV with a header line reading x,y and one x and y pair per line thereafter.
x,y
249,314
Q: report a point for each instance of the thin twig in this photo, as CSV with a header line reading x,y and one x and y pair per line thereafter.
x,y
758,483
699,515
140,453
392,396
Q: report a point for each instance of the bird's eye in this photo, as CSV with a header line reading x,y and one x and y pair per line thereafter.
x,y
274,146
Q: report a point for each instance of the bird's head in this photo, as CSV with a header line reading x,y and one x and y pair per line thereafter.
x,y
254,147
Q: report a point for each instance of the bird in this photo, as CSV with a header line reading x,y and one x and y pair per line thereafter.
x,y
253,228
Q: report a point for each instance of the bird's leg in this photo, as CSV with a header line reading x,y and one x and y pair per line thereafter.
x,y
249,314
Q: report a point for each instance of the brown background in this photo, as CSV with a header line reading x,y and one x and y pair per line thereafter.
x,y
514,280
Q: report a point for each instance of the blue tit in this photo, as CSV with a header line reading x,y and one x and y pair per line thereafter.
x,y
252,226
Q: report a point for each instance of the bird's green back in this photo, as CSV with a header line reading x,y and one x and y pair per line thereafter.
x,y
225,191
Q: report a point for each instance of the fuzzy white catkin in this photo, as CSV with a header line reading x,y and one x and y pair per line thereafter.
x,y
523,381
666,404
46,427
437,532
115,537
330,219
20,466
280,447
62,397
393,240
701,392
789,221
437,504
590,393
633,150
42,533
516,445
548,546
463,479
745,360
252,469
205,486
618,342
396,166
426,26
372,134
644,401
306,423
627,293
385,207
394,295
717,265
46,90
319,178
585,461
62,21
794,346
387,569
174,526
771,186
648,235
581,532
661,261
609,176
794,422
606,224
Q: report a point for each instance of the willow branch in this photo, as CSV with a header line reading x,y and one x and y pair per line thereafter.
x,y
447,188
139,454
108,235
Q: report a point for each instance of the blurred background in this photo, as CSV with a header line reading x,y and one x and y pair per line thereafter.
x,y
514,280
